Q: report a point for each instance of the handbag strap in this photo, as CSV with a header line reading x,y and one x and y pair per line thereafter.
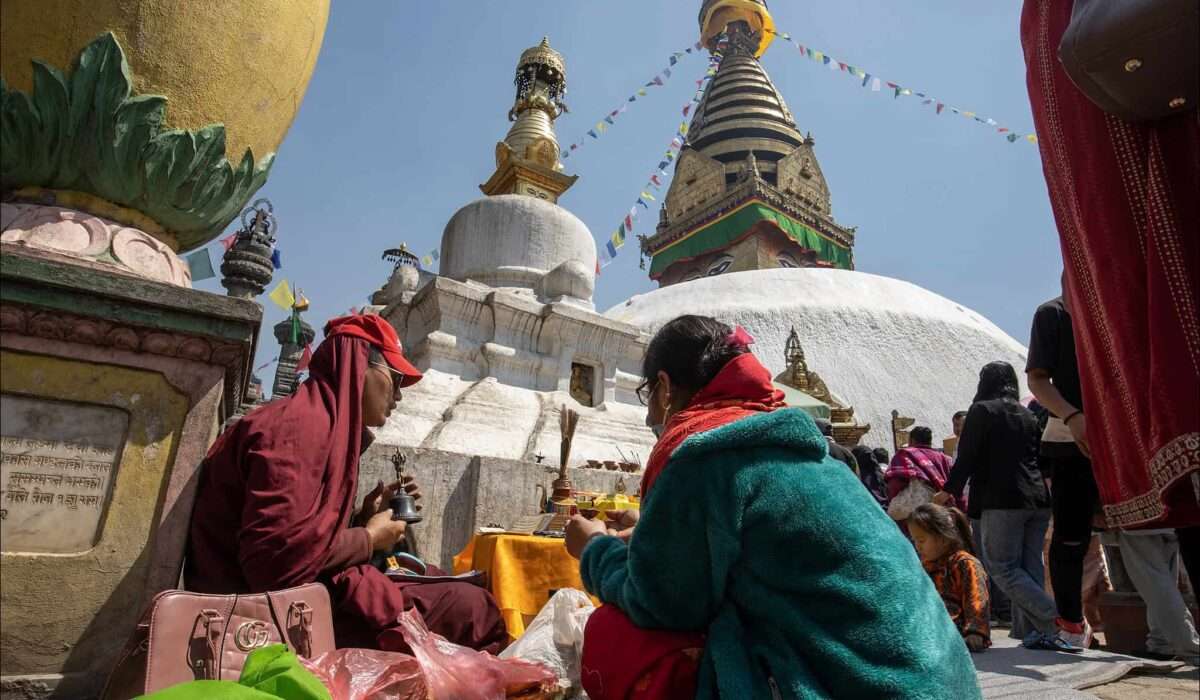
x,y
205,644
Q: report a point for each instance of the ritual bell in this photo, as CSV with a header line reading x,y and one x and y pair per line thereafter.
x,y
404,506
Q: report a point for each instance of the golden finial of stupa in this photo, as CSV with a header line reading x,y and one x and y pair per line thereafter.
x,y
717,15
527,159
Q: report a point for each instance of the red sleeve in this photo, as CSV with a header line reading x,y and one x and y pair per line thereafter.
x,y
351,547
972,583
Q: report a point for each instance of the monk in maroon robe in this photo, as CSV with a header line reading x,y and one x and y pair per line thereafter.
x,y
275,505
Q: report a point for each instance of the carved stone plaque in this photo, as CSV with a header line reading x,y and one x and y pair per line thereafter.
x,y
57,465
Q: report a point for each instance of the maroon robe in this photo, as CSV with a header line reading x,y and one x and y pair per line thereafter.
x,y
274,505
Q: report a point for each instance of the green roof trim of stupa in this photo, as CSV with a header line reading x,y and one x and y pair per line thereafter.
x,y
798,399
727,228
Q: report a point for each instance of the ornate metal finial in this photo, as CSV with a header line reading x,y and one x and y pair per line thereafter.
x,y
246,267
797,366
401,256
736,27
293,334
398,462
541,81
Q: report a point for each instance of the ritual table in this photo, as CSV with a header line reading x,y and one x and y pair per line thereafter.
x,y
522,572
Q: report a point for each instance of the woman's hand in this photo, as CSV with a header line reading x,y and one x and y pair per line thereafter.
x,y
623,519
580,531
379,497
1078,427
385,532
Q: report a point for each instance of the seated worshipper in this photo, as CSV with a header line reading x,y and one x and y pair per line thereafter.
x,y
919,470
276,499
942,537
756,567
836,451
871,473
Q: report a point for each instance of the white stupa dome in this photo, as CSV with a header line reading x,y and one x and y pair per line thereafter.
x,y
512,241
879,343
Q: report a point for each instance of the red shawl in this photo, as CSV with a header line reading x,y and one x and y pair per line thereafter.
x,y
742,387
924,463
277,489
1124,198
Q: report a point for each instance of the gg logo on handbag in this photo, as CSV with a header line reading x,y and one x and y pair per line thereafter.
x,y
251,635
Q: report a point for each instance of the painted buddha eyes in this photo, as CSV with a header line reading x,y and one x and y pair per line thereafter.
x,y
719,266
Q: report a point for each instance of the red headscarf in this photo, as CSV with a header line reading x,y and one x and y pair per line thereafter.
x,y
742,387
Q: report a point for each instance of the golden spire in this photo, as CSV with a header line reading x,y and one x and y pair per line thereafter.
x,y
527,158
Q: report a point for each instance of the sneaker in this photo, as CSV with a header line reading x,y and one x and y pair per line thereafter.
x,y
1077,634
1048,642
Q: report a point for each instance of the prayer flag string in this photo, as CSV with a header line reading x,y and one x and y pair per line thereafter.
x,y
659,80
658,178
876,84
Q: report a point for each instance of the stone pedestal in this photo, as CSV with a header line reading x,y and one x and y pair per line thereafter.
x,y
112,387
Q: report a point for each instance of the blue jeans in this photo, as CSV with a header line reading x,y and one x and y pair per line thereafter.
x,y
1012,547
1001,609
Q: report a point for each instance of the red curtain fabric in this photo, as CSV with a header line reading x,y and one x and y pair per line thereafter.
x,y
1125,198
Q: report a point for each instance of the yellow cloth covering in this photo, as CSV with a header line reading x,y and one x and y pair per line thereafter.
x,y
522,570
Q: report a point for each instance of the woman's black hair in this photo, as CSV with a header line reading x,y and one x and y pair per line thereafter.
x,y
920,435
691,350
997,380
949,523
881,455
865,458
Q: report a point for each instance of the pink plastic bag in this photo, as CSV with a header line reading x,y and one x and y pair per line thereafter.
x,y
362,674
453,671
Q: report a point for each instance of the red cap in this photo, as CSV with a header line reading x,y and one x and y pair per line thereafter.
x,y
379,333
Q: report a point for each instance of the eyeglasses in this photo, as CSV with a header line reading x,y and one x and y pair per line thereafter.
x,y
393,375
645,390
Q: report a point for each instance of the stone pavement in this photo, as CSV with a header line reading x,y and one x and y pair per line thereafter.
x,y
1181,684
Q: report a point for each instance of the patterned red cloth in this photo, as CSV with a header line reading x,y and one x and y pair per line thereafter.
x,y
924,463
1125,200
963,585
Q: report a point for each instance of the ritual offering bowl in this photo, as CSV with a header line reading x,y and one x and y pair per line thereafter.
x,y
610,465
629,467
594,464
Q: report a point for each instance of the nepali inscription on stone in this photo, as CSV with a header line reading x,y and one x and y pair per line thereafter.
x,y
58,461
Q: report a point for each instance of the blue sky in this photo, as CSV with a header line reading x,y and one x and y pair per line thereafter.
x,y
408,100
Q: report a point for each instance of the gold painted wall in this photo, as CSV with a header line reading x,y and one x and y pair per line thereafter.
x,y
244,63
72,613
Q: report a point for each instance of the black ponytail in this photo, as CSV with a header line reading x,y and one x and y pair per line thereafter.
x,y
691,350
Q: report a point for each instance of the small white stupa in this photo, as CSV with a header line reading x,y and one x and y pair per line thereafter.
x,y
507,333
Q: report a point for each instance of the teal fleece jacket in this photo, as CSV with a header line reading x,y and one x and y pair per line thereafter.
x,y
753,533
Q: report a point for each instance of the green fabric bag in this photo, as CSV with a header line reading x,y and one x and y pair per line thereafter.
x,y
270,673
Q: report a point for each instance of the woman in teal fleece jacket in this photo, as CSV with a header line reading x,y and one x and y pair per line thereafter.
x,y
751,535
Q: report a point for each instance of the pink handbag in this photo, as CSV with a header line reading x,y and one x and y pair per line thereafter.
x,y
187,636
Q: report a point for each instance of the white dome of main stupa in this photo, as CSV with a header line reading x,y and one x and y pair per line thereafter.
x,y
878,343
512,241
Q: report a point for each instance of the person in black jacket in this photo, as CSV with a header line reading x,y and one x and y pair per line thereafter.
x,y
998,454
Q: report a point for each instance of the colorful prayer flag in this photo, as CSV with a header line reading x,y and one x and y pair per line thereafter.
x,y
641,92
612,250
282,295
648,196
629,221
940,107
1012,137
276,259
436,254
875,85
1031,138
817,56
687,108
592,133
427,261
228,241
643,203
200,264
305,359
